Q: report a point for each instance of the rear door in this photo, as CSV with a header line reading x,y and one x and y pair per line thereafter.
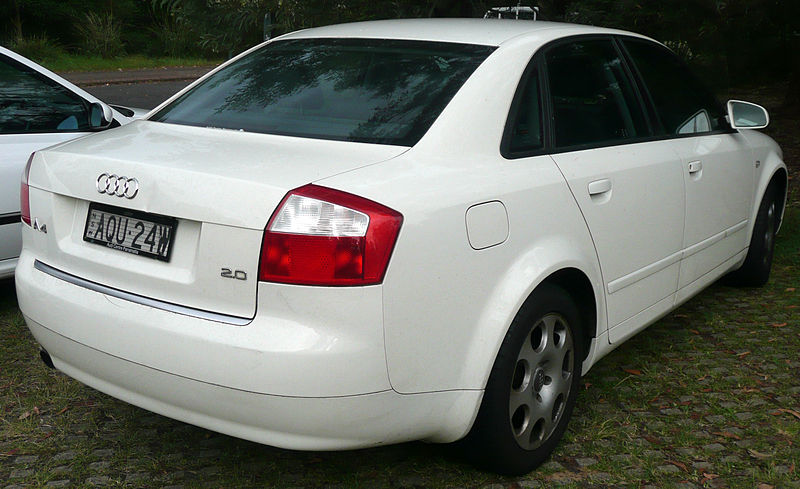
x,y
630,191
718,168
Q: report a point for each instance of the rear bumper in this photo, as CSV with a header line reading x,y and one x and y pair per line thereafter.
x,y
311,377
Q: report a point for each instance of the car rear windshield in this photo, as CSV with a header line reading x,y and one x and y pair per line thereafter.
x,y
365,90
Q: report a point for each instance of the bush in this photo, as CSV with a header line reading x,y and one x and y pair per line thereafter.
x,y
38,48
100,35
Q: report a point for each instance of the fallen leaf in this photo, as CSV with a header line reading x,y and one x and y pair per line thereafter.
x,y
652,439
758,455
702,378
587,385
694,331
764,485
63,410
791,468
709,476
778,325
744,353
790,411
632,371
25,415
726,434
680,465
790,289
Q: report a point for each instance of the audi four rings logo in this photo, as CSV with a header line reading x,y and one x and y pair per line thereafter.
x,y
117,185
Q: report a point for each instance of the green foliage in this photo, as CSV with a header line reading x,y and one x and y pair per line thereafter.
x,y
100,34
741,41
173,28
38,47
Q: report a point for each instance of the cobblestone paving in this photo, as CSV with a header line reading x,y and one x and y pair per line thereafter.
x,y
707,397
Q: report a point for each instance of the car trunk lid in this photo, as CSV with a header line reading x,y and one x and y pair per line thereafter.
x,y
218,187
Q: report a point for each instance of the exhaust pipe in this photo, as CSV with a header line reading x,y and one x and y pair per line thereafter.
x,y
46,358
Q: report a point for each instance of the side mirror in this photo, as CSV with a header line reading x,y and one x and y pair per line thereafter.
x,y
744,115
100,116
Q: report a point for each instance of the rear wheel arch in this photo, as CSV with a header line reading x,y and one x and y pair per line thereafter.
x,y
515,443
575,283
780,180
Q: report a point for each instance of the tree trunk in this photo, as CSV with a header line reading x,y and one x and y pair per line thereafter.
x,y
792,100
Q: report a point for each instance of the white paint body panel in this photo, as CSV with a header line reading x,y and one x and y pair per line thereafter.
x,y
642,213
406,359
718,201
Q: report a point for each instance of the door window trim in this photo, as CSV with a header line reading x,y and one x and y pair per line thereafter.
x,y
652,119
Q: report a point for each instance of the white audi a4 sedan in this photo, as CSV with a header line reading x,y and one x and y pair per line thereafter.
x,y
37,109
377,232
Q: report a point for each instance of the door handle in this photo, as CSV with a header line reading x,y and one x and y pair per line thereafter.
x,y
695,166
599,186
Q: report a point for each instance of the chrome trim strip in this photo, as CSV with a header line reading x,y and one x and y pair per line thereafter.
x,y
636,275
706,243
12,218
735,229
138,299
642,273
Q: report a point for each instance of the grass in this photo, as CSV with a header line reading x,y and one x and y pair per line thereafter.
x,y
75,62
705,396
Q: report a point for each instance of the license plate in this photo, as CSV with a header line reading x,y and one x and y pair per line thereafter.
x,y
135,232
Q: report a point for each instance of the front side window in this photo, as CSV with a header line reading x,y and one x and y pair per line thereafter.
x,y
32,103
365,90
592,97
683,104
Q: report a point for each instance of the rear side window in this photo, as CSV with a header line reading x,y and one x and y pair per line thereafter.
x,y
32,103
526,130
683,104
592,96
365,90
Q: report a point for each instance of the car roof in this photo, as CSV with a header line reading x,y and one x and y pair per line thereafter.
x,y
489,32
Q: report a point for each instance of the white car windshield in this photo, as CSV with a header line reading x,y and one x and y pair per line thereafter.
x,y
365,90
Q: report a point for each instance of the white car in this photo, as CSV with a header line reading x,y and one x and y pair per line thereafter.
x,y
37,109
378,232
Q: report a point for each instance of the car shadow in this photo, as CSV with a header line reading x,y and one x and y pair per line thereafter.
x,y
8,294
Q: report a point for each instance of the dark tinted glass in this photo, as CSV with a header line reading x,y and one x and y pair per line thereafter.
x,y
593,99
526,133
31,103
374,91
683,104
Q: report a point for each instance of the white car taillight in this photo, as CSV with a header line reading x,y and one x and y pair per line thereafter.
x,y
321,236
24,193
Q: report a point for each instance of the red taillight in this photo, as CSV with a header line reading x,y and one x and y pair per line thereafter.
x,y
24,193
321,236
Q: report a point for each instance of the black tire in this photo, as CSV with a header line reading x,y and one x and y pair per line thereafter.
x,y
512,434
754,272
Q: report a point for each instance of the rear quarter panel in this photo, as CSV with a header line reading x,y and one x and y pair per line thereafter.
x,y
446,305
